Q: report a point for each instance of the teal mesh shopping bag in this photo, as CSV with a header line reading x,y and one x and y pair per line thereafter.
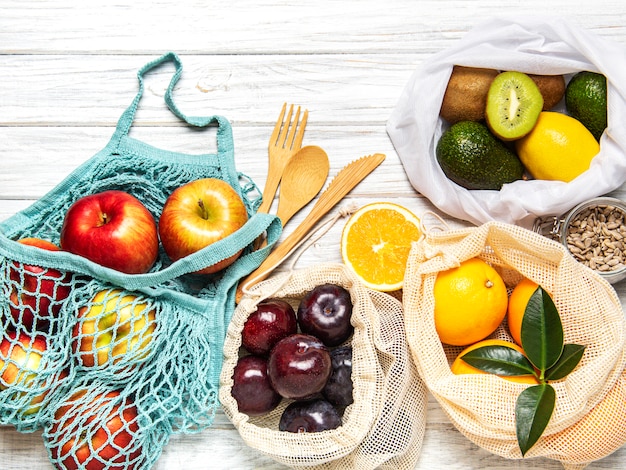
x,y
108,364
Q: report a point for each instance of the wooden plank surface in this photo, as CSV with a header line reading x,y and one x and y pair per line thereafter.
x,y
68,70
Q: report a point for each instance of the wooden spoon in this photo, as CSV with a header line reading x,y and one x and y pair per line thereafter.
x,y
303,178
342,184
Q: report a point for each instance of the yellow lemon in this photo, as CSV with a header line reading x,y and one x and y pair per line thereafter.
x,y
599,432
559,147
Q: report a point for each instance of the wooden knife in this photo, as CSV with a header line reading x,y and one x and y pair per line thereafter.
x,y
347,178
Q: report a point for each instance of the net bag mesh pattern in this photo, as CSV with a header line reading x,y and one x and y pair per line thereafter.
x,y
109,365
384,427
589,421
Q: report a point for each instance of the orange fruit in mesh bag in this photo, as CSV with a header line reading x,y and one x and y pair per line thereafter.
x,y
517,306
597,434
459,366
375,244
470,302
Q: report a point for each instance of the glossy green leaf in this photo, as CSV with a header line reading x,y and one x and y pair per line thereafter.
x,y
542,331
533,411
571,356
499,360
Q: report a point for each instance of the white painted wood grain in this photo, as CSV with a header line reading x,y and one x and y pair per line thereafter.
x,y
68,70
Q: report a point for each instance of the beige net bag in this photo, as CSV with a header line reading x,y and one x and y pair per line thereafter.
x,y
589,419
384,427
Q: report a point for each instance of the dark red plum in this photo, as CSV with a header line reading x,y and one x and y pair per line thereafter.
x,y
325,313
252,388
338,388
273,320
299,366
309,416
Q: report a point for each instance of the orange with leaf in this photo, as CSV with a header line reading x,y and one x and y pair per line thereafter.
x,y
498,351
543,354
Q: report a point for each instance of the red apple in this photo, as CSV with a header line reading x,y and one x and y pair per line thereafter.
x,y
95,431
114,229
37,292
199,213
20,365
113,326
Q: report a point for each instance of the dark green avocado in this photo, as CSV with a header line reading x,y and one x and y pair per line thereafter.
x,y
471,156
585,100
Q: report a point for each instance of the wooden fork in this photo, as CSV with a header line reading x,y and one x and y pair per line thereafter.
x,y
284,142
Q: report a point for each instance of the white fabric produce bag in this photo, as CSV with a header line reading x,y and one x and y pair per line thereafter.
x,y
540,45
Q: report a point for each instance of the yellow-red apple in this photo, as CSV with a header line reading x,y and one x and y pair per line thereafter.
x,y
20,366
95,431
114,229
37,292
198,214
114,326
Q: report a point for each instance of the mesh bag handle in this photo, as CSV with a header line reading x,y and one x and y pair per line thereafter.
x,y
256,225
224,146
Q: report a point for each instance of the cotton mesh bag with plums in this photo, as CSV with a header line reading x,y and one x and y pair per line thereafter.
x,y
384,426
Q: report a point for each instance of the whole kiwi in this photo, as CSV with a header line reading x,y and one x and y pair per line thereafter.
x,y
466,94
552,88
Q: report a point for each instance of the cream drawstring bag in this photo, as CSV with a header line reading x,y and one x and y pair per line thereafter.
x,y
541,45
589,419
384,427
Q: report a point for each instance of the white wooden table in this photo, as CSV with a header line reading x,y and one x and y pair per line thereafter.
x,y
67,70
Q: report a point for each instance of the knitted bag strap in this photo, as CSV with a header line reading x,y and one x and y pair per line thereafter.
x,y
256,225
225,146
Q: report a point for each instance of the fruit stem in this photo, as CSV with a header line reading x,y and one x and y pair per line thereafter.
x,y
203,212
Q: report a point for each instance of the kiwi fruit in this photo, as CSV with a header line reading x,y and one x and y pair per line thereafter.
x,y
513,105
466,94
552,88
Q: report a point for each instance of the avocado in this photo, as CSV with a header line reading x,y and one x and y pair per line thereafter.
x,y
585,100
471,156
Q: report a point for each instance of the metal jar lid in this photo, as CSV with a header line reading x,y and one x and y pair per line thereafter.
x,y
594,233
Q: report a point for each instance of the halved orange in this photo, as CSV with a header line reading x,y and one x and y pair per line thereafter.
x,y
376,241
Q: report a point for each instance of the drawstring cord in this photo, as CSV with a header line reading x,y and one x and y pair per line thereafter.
x,y
307,241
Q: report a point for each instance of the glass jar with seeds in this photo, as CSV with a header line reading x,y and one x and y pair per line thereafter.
x,y
594,232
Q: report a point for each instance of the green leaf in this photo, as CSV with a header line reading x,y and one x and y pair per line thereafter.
x,y
571,356
499,360
533,411
542,331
